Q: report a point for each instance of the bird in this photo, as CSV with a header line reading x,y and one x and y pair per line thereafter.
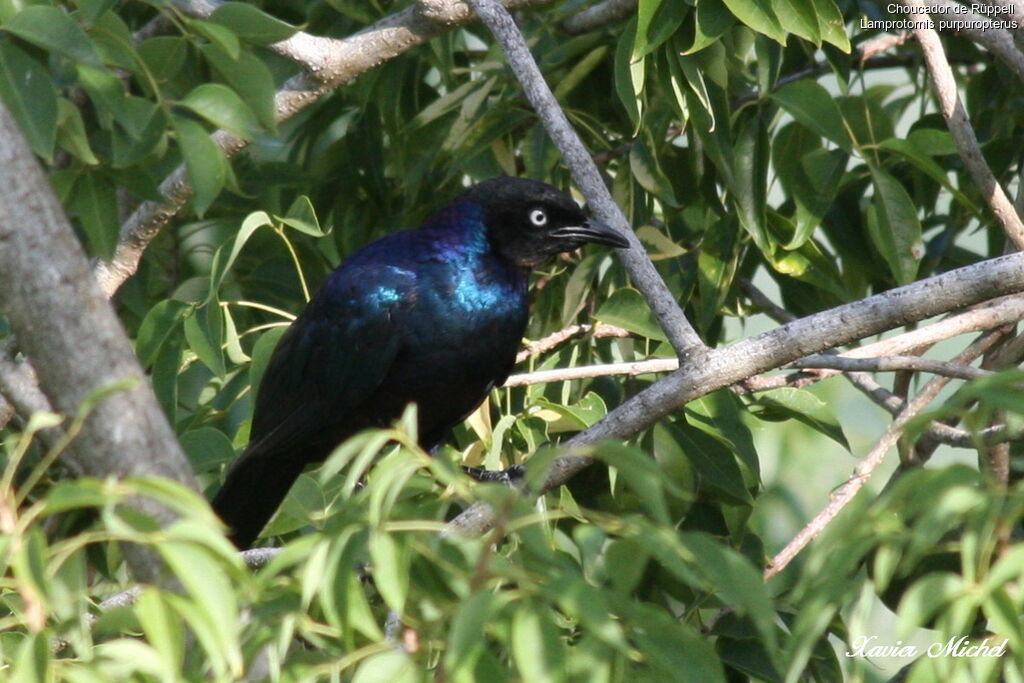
x,y
432,315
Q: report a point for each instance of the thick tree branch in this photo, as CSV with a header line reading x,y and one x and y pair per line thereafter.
x,y
815,333
585,172
78,347
963,134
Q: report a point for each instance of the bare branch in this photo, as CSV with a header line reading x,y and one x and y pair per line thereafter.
x,y
556,339
890,364
598,16
587,371
329,63
78,348
585,172
815,333
960,128
845,493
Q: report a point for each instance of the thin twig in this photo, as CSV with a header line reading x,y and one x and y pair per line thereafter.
x,y
891,364
588,371
556,339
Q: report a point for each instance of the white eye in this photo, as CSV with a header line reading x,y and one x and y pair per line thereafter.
x,y
538,217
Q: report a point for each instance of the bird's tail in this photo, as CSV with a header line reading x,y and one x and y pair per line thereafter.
x,y
255,487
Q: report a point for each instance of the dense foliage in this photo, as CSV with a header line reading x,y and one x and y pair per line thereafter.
x,y
744,139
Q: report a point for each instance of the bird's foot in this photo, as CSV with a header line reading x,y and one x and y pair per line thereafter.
x,y
510,476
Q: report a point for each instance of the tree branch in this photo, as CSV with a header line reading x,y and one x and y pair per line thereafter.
x,y
556,339
78,348
815,333
960,128
890,364
598,16
585,172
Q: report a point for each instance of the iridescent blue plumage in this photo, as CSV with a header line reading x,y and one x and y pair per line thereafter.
x,y
432,315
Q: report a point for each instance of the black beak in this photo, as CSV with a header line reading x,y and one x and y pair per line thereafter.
x,y
593,231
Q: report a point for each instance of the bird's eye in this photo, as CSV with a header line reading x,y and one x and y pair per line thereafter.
x,y
538,217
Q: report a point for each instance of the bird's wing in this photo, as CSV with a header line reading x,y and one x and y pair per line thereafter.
x,y
333,356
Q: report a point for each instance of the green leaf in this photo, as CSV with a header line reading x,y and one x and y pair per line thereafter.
x,y
916,150
759,16
799,17
802,405
810,104
657,21
392,665
626,308
750,179
113,41
221,263
162,627
204,331
464,643
33,661
53,30
928,595
894,226
222,107
831,24
30,95
535,644
164,56
223,37
71,135
95,203
712,461
249,77
713,19
252,24
140,130
302,217
212,609
207,448
932,141
629,75
648,173
105,91
205,163
390,570
74,494
738,581
719,414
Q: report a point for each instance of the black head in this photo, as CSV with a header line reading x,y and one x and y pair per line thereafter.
x,y
530,221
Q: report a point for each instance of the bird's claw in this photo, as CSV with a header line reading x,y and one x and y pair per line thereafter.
x,y
511,476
